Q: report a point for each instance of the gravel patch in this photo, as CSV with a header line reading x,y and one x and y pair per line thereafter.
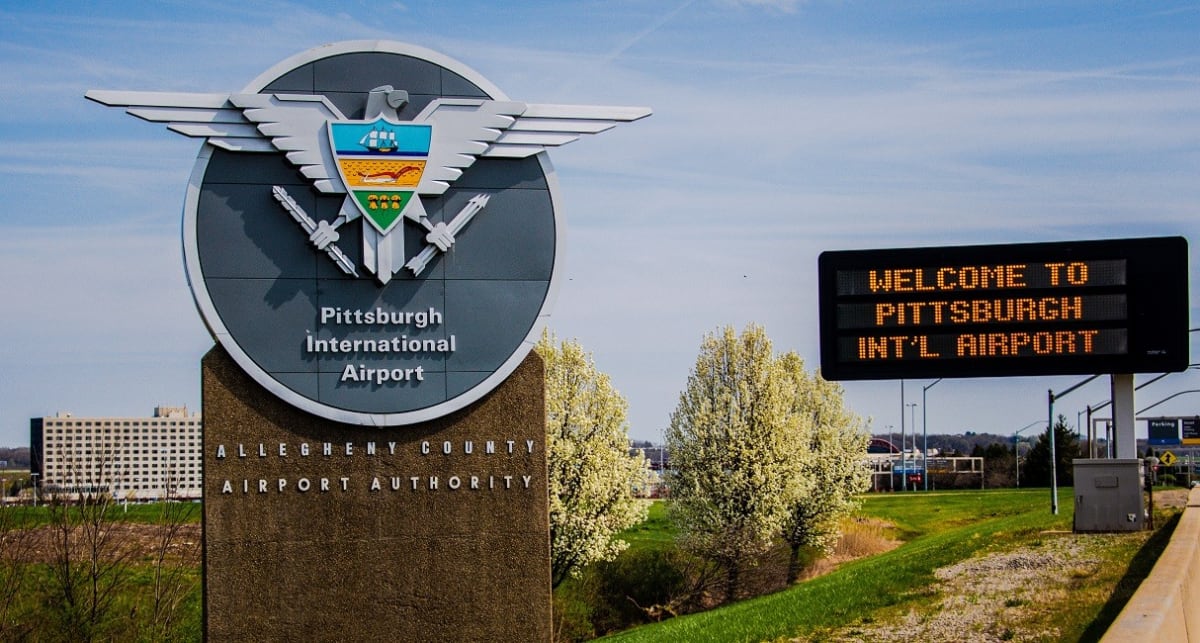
x,y
985,599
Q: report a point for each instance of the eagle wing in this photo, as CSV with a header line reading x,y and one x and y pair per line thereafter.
x,y
466,129
289,123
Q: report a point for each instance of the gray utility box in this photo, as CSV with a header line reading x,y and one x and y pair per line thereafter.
x,y
1108,495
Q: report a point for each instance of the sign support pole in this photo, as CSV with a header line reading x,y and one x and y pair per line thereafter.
x,y
1123,416
1053,455
903,453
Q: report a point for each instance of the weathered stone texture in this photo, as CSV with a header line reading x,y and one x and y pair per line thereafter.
x,y
360,565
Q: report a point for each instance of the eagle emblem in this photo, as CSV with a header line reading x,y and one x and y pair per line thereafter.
x,y
382,164
371,229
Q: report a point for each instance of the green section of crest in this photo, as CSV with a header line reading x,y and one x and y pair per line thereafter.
x,y
382,208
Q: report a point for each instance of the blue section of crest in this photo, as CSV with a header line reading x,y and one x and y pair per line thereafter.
x,y
380,137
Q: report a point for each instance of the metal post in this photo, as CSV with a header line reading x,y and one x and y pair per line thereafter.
x,y
1123,416
925,435
903,455
1091,433
891,461
1053,455
1017,460
924,440
1017,449
912,421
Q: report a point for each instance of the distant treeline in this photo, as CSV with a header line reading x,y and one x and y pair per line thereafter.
x,y
963,444
17,457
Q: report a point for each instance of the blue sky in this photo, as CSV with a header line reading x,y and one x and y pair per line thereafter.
x,y
781,129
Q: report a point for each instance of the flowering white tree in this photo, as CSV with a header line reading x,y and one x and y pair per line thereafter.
x,y
736,462
592,473
837,441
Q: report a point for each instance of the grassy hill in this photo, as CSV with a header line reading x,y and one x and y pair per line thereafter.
x,y
1061,586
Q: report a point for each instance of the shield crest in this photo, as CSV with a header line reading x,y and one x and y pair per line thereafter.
x,y
381,163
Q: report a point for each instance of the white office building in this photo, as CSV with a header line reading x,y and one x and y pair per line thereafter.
x,y
133,458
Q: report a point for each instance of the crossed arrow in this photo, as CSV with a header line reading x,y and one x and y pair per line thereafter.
x,y
442,235
439,238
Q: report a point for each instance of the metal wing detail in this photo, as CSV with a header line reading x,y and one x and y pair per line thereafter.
x,y
466,129
547,125
295,124
289,123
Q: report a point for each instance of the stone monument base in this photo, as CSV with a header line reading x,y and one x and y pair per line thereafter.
x,y
321,531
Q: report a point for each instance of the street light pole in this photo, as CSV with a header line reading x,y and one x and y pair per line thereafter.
x,y
1050,396
925,434
1169,397
912,421
891,430
903,455
1017,451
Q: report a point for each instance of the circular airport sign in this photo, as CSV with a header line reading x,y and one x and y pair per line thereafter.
x,y
357,251
372,229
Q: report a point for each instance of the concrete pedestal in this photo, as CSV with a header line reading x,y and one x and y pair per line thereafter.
x,y
320,531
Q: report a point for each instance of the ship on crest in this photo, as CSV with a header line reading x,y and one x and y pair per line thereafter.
x,y
379,140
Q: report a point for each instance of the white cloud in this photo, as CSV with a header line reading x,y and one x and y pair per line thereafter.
x,y
785,6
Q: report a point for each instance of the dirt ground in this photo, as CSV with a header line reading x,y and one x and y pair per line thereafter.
x,y
988,599
129,541
1171,498
982,599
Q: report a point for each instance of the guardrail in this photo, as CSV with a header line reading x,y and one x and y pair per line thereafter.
x,y
1166,606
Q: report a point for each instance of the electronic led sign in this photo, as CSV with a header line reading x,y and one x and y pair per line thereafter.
x,y
1083,307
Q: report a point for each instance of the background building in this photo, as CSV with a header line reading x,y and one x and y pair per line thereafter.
x,y
134,458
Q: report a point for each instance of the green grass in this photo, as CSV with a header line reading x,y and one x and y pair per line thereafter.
x,y
1125,566
38,611
940,528
654,532
149,513
925,513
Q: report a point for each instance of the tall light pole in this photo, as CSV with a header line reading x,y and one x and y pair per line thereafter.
x,y
1050,398
1169,397
925,434
912,421
891,463
903,454
1017,452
